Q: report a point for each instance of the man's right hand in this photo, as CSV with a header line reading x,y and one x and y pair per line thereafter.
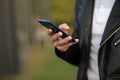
x,y
62,44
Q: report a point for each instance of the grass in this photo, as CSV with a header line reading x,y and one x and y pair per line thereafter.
x,y
44,65
41,63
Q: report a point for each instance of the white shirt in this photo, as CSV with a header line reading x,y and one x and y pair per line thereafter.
x,y
102,10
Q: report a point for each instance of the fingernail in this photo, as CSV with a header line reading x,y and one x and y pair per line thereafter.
x,y
67,27
70,37
60,33
76,40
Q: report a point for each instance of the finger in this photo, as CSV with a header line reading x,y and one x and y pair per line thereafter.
x,y
56,37
63,41
64,27
65,47
72,43
50,32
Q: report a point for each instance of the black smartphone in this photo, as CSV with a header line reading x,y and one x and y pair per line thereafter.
x,y
50,25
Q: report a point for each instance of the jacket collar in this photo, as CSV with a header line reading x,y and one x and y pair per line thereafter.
x,y
113,21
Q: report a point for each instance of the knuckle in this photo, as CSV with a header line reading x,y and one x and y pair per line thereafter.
x,y
60,48
55,44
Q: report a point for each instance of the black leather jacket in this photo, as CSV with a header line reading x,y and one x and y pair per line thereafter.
x,y
109,51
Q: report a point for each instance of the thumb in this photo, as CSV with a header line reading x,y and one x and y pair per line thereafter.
x,y
64,27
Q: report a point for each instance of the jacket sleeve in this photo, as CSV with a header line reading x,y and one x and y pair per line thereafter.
x,y
71,56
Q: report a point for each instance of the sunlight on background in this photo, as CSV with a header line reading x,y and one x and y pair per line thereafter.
x,y
37,60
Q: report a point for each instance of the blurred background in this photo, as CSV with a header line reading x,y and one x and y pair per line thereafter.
x,y
25,50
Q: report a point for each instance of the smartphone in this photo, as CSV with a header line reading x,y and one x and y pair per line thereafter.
x,y
50,25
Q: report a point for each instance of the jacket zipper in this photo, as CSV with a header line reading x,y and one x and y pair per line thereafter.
x,y
117,42
110,36
99,63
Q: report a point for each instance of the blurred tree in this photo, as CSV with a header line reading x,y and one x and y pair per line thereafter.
x,y
15,32
9,59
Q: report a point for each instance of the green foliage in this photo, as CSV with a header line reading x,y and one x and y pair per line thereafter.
x,y
63,11
56,10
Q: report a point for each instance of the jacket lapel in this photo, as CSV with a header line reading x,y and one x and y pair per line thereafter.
x,y
113,21
85,16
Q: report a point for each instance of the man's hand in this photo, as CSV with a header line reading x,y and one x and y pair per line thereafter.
x,y
60,43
